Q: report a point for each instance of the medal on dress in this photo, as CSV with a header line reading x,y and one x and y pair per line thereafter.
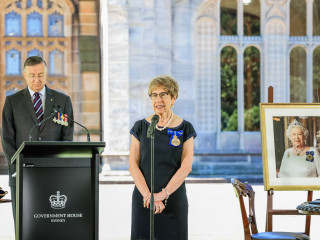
x,y
310,156
174,140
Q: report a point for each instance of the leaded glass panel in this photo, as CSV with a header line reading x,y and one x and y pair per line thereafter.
x,y
56,63
34,24
13,62
13,24
55,24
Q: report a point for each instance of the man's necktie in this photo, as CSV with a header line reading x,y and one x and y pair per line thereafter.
x,y
37,104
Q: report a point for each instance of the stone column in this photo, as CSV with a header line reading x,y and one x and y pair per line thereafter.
x,y
116,101
275,60
90,67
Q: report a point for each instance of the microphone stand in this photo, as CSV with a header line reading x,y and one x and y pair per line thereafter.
x,y
151,135
152,190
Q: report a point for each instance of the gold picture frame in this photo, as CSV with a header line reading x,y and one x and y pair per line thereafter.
x,y
277,148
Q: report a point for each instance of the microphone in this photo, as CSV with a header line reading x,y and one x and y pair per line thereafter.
x,y
88,134
154,121
54,110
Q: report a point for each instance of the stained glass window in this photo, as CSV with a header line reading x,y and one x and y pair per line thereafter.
x,y
56,62
34,24
55,24
13,24
13,62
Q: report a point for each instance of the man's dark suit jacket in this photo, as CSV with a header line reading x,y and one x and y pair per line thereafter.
x,y
18,117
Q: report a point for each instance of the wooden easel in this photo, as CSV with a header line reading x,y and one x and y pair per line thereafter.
x,y
270,210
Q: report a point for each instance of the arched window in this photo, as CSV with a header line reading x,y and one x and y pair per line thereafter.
x,y
229,113
13,62
56,63
316,73
34,52
251,18
13,24
55,25
316,18
251,89
298,75
298,22
34,24
228,17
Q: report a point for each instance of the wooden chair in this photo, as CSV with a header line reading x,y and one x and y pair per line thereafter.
x,y
249,220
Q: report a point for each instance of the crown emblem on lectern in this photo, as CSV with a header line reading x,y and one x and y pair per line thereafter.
x,y
58,201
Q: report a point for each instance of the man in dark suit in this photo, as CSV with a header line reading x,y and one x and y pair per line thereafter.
x,y
28,107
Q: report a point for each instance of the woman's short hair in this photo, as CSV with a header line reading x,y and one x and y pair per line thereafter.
x,y
167,82
297,124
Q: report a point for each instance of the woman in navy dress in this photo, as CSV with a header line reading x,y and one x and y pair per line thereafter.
x,y
173,162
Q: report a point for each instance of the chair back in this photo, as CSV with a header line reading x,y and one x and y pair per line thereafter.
x,y
248,218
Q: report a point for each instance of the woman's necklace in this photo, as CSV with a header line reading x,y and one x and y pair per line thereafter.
x,y
170,120
298,152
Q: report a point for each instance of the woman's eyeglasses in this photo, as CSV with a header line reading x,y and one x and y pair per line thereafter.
x,y
162,95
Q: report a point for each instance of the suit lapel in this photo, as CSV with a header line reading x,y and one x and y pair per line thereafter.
x,y
26,99
50,101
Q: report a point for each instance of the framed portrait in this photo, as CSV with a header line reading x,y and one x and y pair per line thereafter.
x,y
290,146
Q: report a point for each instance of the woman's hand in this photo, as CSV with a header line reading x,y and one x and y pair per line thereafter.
x,y
146,200
158,207
160,196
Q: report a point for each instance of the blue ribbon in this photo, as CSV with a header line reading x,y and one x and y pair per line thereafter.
x,y
174,133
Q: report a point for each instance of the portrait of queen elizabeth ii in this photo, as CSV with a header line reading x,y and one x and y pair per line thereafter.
x,y
300,160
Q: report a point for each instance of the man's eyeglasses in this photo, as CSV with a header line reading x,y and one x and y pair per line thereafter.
x,y
39,76
162,95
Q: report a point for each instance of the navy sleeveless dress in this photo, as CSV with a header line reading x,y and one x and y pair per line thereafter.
x,y
172,223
